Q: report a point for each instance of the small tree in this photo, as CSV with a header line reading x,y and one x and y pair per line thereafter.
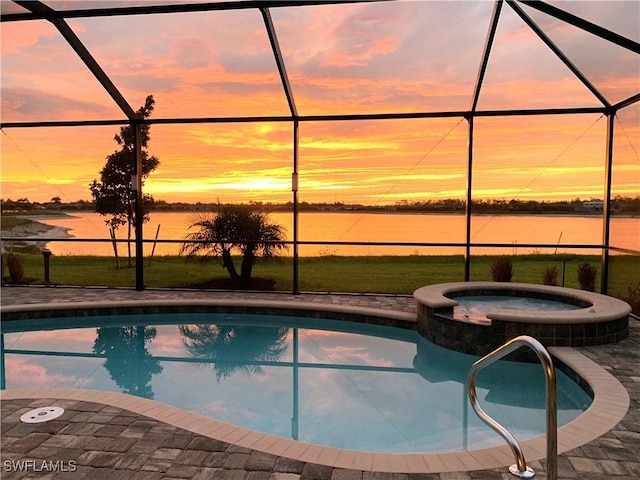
x,y
127,358
113,194
234,228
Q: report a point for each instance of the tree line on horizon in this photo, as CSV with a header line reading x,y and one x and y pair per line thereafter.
x,y
620,204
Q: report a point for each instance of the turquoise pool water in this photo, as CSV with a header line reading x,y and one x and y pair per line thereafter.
x,y
476,307
347,385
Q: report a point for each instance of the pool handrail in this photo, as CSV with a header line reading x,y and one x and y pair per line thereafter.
x,y
520,468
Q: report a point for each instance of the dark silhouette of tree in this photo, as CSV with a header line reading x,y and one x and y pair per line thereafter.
x,y
233,348
113,194
234,228
127,359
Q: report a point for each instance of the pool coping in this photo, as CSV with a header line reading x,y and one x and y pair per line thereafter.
x,y
610,404
282,307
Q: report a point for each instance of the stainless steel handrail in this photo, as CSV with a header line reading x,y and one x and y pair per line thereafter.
x,y
520,469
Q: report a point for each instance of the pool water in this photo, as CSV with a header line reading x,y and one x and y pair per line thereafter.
x,y
475,307
342,384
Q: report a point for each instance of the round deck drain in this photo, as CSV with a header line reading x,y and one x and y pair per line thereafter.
x,y
42,414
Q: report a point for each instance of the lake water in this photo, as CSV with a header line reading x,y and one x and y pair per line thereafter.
x,y
375,227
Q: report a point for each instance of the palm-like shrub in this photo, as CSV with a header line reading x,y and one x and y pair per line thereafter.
x,y
502,269
587,274
234,229
15,266
633,298
550,276
232,348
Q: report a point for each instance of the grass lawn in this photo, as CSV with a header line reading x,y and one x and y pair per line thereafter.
x,y
335,274
9,221
372,274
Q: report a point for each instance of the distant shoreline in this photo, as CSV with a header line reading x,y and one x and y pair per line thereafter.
x,y
40,215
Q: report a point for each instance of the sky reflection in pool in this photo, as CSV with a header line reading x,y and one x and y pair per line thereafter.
x,y
342,384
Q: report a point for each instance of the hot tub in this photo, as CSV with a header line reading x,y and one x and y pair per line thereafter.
x,y
583,319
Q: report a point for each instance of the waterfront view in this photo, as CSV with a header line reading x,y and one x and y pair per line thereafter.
x,y
558,230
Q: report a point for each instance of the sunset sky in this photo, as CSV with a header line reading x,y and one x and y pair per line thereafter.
x,y
405,56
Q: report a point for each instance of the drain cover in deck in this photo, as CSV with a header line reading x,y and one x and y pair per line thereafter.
x,y
42,414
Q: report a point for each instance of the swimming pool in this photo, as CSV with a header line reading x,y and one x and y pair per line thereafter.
x,y
348,385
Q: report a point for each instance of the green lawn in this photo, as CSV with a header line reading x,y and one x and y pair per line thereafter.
x,y
9,221
373,274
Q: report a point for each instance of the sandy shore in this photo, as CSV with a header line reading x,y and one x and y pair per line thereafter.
x,y
35,230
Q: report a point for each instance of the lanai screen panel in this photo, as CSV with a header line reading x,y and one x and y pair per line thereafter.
x,y
44,80
226,163
357,170
624,265
204,64
205,166
625,183
382,57
612,69
524,73
538,159
41,163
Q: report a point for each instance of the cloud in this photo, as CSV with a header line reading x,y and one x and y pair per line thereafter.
x,y
362,37
23,374
18,37
30,103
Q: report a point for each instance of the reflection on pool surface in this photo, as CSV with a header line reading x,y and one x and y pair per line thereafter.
x,y
347,385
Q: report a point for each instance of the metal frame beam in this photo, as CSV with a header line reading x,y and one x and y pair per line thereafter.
x,y
139,210
77,45
543,36
583,24
320,118
171,8
468,203
626,102
294,190
277,53
493,26
606,209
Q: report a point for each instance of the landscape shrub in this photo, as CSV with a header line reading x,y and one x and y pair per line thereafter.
x,y
587,274
550,276
633,298
502,270
14,264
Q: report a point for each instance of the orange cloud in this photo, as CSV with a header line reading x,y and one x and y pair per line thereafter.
x,y
21,35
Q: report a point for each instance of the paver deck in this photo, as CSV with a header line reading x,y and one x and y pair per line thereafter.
x,y
98,441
